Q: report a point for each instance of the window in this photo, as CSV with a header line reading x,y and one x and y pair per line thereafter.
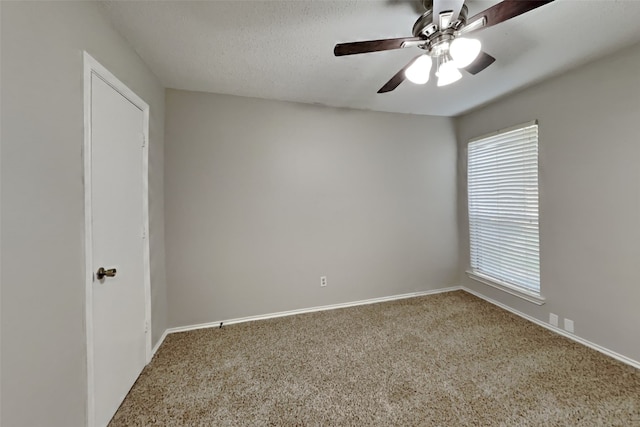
x,y
502,178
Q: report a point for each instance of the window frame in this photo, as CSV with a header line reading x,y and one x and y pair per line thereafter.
x,y
488,279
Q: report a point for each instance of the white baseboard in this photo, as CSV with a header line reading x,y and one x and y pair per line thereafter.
x,y
216,324
603,350
158,344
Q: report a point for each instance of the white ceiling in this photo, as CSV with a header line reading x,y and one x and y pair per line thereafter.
x,y
284,49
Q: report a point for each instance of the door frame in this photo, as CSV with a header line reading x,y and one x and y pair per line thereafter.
x,y
94,68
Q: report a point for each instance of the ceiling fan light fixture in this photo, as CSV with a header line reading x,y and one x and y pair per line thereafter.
x,y
464,51
447,73
419,71
445,45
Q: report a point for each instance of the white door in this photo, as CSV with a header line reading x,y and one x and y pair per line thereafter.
x,y
118,234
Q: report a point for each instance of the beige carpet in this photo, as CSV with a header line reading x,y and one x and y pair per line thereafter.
x,y
442,360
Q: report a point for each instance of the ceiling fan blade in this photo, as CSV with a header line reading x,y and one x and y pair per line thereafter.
x,y
353,48
501,12
398,78
440,7
482,61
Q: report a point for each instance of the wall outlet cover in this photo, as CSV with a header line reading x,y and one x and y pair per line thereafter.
x,y
568,325
553,319
323,281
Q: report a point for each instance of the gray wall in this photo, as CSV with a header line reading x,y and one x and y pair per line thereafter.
x,y
589,196
264,197
43,337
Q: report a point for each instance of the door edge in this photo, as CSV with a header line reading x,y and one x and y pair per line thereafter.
x,y
92,67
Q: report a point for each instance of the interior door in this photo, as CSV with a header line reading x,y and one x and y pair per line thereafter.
x,y
117,229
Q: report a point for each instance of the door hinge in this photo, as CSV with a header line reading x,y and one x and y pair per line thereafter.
x,y
144,233
144,139
146,327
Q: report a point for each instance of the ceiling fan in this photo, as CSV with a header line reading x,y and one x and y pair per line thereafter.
x,y
439,33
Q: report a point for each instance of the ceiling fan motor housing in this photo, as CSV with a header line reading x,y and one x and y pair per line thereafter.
x,y
424,26
434,36
428,4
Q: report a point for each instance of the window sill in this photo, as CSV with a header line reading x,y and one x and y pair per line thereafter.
x,y
520,293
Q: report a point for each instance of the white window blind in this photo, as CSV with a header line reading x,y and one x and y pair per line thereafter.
x,y
503,208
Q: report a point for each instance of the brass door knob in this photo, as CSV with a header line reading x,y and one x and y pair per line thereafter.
x,y
102,273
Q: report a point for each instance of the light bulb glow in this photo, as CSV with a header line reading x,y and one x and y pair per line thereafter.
x,y
464,51
448,73
419,71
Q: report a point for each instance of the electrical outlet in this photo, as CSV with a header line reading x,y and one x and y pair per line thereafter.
x,y
553,319
568,325
323,281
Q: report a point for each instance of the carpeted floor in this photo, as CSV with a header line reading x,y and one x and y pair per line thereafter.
x,y
443,360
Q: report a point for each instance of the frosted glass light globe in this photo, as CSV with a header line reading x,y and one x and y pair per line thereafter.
x,y
464,51
419,71
448,73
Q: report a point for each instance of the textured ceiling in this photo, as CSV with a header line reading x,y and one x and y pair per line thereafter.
x,y
284,49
